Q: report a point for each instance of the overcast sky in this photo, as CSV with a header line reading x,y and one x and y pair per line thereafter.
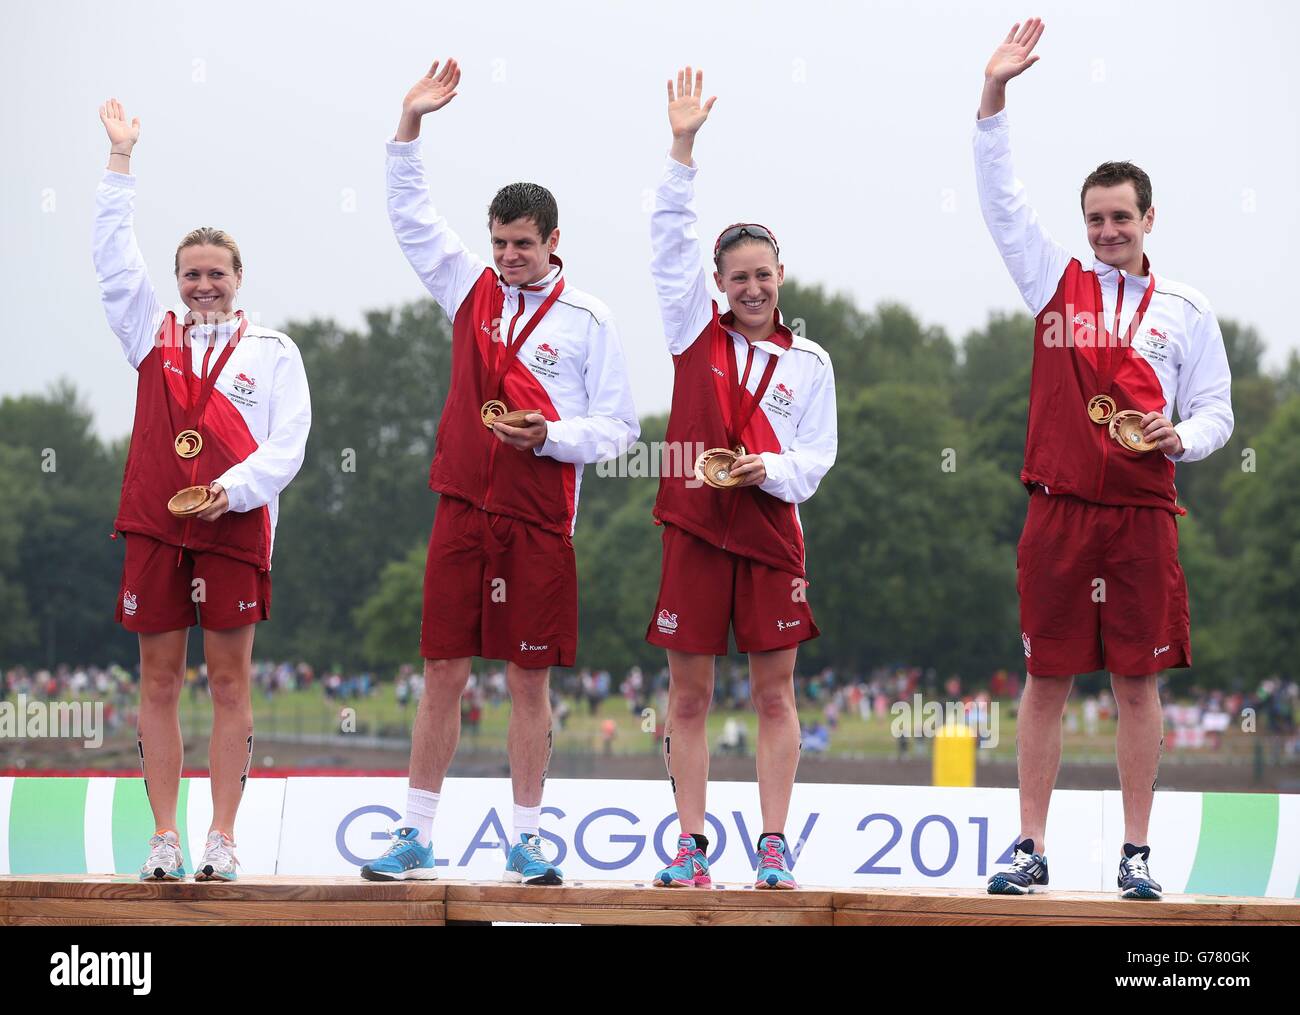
x,y
844,126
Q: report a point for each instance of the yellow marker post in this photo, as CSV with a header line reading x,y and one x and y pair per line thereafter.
x,y
954,755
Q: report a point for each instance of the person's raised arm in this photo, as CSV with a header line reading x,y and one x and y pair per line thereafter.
x,y
130,302
677,264
1033,258
447,269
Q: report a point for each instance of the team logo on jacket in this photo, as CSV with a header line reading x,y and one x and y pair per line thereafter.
x,y
168,365
666,622
243,388
129,604
780,400
544,359
1157,336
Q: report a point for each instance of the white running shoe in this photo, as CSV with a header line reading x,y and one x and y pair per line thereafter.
x,y
218,863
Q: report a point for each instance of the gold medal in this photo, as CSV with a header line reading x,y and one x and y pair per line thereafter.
x,y
189,443
1126,430
191,501
714,467
1101,408
491,410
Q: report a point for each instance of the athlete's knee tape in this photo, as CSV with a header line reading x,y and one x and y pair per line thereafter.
x,y
550,747
139,746
668,762
1160,753
248,764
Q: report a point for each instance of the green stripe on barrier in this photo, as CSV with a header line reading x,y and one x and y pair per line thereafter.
x,y
47,826
182,822
1234,854
133,824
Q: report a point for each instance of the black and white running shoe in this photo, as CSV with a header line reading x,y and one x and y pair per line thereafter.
x,y
1134,878
1028,871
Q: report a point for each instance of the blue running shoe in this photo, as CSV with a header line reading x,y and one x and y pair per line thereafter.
x,y
772,871
1134,878
527,865
406,860
165,862
690,868
1028,872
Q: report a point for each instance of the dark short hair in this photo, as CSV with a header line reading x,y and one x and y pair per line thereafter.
x,y
1112,174
525,200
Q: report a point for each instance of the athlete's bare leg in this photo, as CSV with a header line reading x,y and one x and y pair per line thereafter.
x,y
158,733
528,742
229,655
1038,753
771,683
686,740
1137,749
437,722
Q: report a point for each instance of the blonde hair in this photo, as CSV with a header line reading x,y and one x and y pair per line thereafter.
x,y
206,236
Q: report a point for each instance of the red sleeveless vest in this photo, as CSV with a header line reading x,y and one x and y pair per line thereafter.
x,y
1064,450
154,472
744,521
469,462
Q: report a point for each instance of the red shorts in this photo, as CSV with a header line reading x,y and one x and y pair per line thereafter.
x,y
1100,589
704,590
499,588
166,588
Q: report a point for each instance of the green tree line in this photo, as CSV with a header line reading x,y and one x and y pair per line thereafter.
x,y
911,538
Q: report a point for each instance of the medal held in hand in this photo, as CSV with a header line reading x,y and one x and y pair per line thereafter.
x,y
1124,427
191,501
495,412
715,466
1126,430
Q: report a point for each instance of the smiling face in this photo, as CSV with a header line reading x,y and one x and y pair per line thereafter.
x,y
522,255
750,276
1116,226
208,280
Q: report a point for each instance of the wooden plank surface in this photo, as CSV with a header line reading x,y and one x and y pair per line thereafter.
x,y
1073,907
68,900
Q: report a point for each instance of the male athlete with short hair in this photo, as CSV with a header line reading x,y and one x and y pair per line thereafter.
x,y
500,580
1116,350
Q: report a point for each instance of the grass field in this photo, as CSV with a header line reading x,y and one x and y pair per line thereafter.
x,y
308,713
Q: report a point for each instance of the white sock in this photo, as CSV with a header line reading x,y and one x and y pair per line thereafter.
x,y
527,820
421,806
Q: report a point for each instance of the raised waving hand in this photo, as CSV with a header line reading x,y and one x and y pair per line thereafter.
x,y
1011,59
686,115
122,135
429,94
